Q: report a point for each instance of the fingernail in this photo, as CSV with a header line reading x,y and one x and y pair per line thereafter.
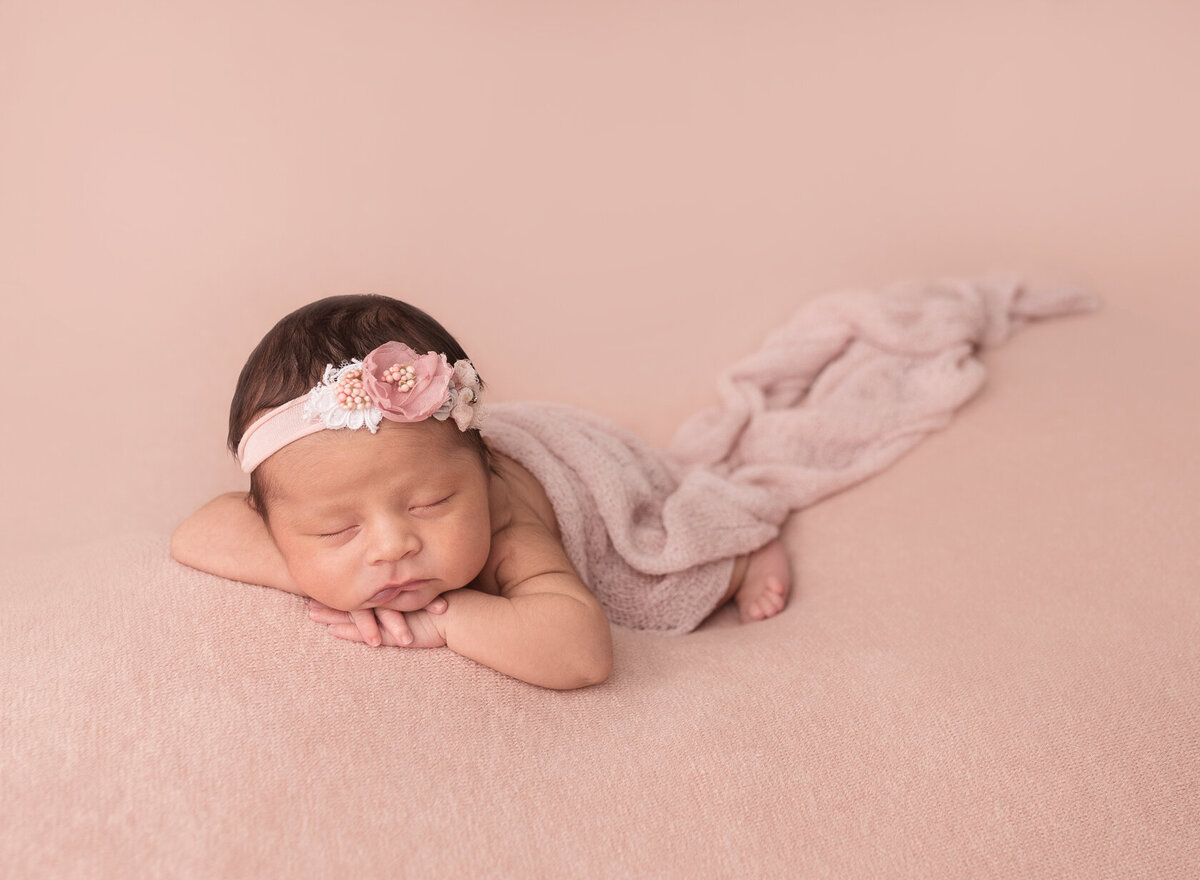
x,y
406,639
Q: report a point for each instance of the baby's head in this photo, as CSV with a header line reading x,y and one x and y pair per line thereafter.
x,y
356,418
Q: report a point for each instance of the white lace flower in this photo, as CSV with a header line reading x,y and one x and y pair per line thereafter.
x,y
340,401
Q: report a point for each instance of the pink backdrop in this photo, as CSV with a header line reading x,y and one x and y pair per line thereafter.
x,y
586,194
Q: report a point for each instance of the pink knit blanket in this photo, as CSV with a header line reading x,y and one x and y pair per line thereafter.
x,y
852,381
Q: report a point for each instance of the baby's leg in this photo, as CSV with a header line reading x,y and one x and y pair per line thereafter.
x,y
761,583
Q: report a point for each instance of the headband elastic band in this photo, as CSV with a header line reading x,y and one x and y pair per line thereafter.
x,y
273,431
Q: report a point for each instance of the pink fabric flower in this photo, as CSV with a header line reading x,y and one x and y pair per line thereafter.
x,y
432,375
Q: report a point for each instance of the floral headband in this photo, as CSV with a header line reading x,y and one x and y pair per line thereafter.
x,y
392,382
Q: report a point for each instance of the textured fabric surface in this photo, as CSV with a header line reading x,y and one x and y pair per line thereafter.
x,y
852,381
990,668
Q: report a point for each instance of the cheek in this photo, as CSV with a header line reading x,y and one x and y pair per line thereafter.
x,y
477,540
319,574
461,548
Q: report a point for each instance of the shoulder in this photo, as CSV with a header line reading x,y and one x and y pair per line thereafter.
x,y
526,542
519,496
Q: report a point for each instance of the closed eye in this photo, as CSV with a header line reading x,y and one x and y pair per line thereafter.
x,y
433,504
335,534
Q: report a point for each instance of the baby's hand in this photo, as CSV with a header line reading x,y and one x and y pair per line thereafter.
x,y
383,625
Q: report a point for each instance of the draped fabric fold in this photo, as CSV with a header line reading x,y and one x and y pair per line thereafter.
x,y
835,394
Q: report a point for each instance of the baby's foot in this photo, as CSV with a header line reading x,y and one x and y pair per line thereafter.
x,y
765,587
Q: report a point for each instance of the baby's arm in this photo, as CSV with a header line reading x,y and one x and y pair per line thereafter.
x,y
545,627
227,538
546,637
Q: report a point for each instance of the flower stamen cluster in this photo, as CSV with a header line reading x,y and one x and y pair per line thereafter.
x,y
350,391
403,376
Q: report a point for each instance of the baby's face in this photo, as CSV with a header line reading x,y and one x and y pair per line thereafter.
x,y
399,516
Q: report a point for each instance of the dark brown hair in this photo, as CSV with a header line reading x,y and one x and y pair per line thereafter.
x,y
293,355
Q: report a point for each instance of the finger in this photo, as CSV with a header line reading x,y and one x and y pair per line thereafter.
x,y
325,614
396,625
364,619
328,615
318,611
347,631
438,605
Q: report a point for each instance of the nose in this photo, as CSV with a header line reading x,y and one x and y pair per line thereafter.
x,y
393,540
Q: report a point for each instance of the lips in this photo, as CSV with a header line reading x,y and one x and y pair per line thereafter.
x,y
389,593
